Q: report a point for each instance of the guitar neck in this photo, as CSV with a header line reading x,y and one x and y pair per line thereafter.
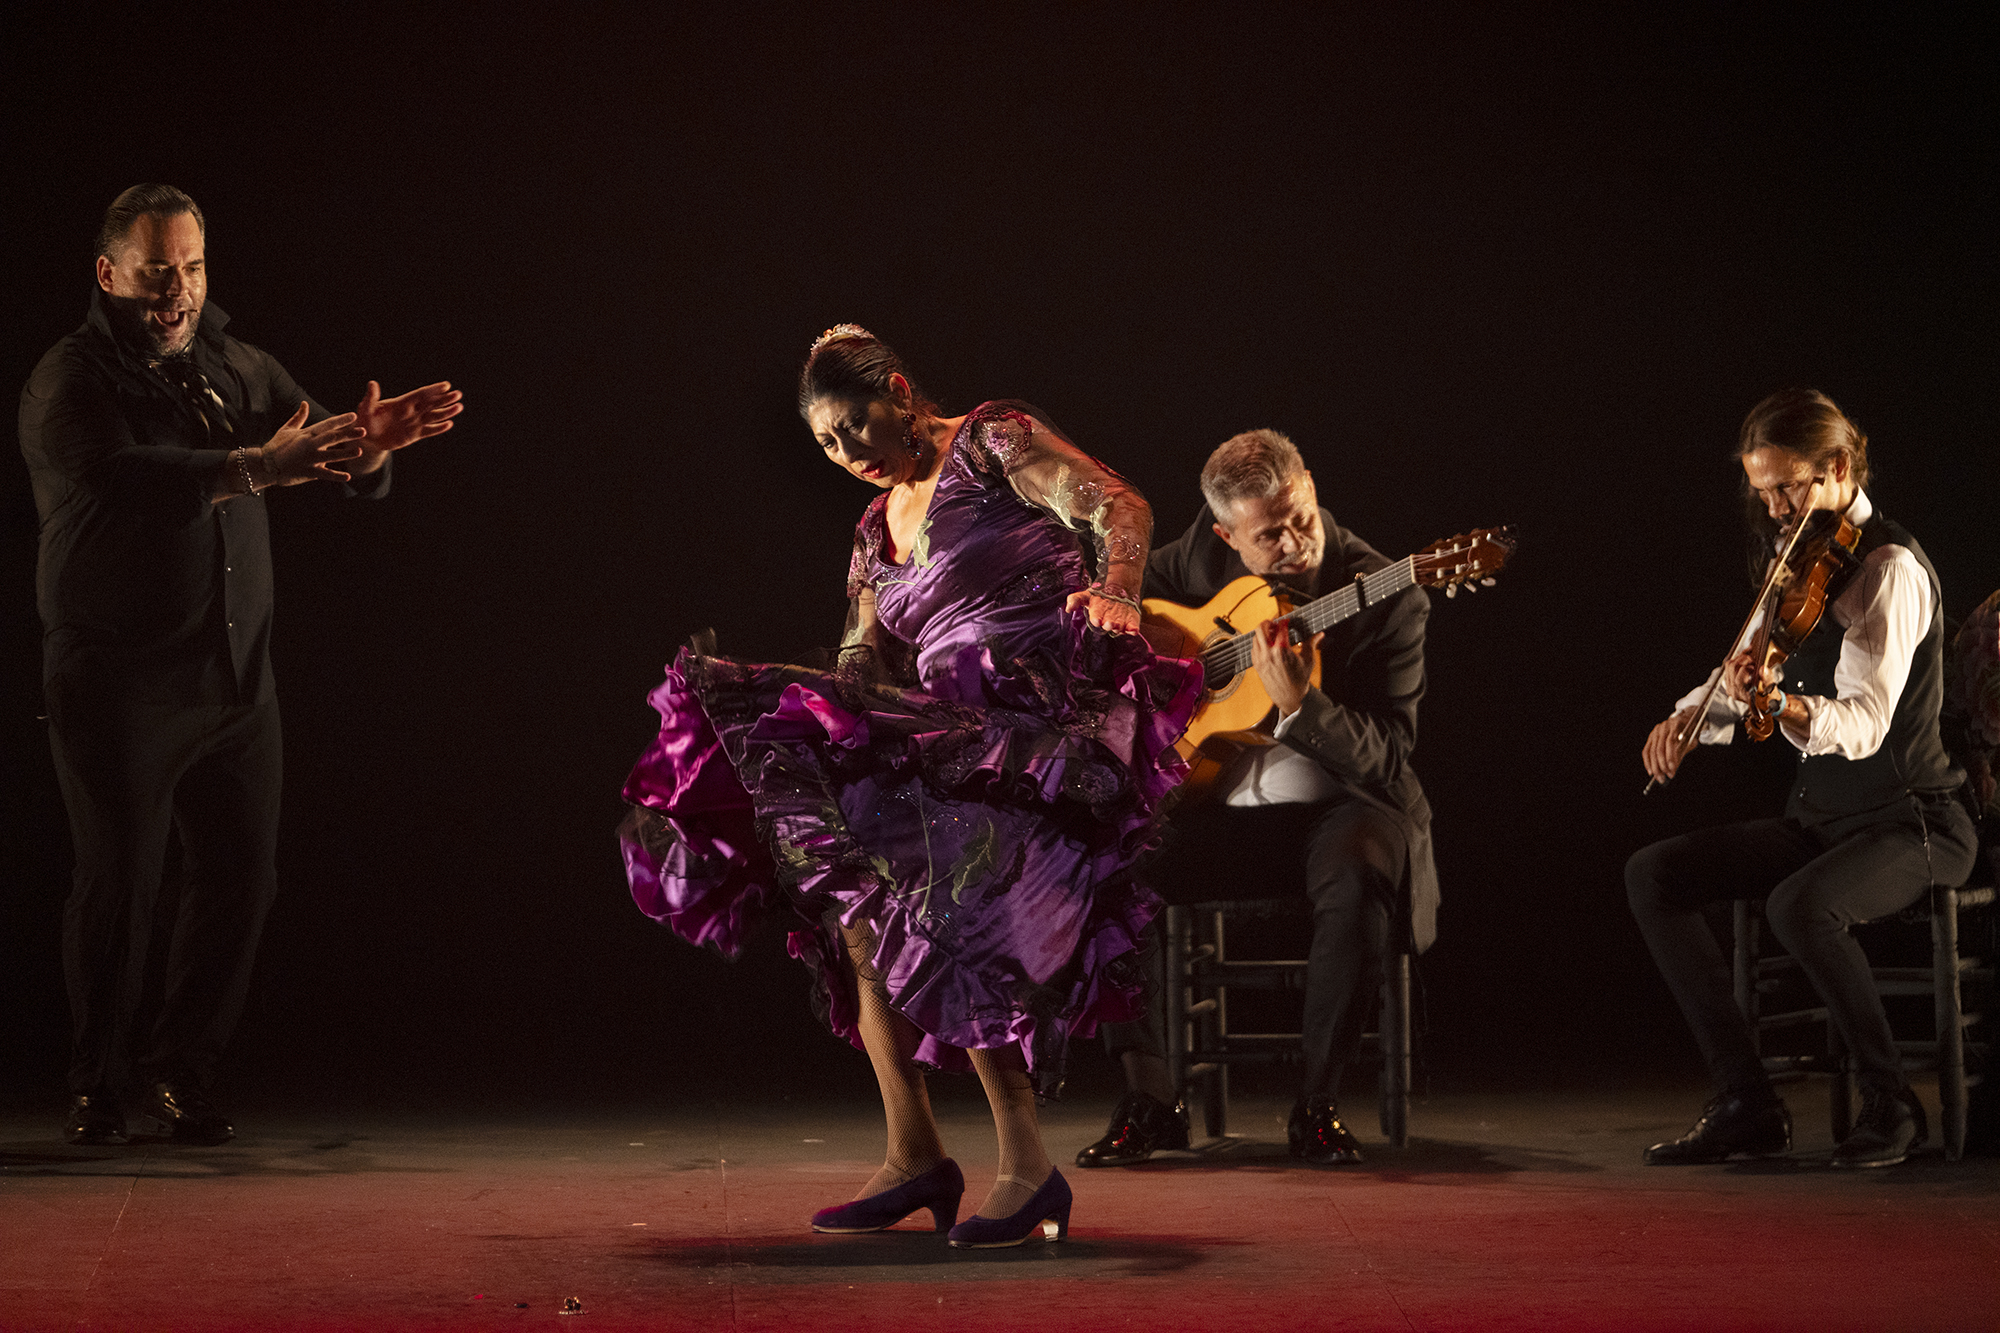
x,y
1223,659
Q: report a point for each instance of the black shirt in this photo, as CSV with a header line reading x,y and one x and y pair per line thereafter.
x,y
147,588
1360,723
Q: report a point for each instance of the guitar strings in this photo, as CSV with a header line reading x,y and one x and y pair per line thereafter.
x,y
1224,660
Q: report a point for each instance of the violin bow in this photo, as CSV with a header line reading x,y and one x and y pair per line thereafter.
x,y
1687,733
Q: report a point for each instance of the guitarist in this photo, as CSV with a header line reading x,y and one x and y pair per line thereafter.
x,y
1328,807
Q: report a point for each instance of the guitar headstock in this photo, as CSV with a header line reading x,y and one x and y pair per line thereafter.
x,y
1471,559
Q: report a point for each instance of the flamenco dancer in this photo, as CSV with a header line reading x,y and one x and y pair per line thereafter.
x,y
1872,818
951,813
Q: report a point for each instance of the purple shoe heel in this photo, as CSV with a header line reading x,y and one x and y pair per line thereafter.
x,y
1047,1213
938,1189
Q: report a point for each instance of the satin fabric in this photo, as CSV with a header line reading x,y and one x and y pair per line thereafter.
x,y
983,824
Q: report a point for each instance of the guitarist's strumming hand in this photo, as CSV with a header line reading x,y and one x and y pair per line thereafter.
x,y
1285,669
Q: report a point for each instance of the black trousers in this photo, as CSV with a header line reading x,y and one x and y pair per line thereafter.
x,y
1346,857
131,776
1815,883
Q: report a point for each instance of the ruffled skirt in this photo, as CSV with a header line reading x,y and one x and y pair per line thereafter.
x,y
988,848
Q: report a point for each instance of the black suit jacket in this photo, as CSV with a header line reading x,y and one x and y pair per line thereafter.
x,y
1360,722
148,591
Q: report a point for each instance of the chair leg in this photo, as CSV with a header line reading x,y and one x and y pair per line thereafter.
x,y
1214,1029
1950,1014
1840,1096
1173,995
1395,1030
1215,1107
1744,967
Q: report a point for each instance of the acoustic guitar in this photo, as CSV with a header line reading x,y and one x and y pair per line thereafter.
x,y
1219,634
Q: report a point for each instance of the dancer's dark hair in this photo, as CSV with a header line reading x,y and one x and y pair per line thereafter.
x,y
849,363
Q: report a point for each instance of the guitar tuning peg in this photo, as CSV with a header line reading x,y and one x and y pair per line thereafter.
x,y
1451,590
1487,583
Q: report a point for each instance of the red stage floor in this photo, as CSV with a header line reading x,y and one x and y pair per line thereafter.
x,y
1505,1212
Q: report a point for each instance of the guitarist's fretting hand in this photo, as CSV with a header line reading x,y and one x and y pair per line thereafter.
x,y
1285,670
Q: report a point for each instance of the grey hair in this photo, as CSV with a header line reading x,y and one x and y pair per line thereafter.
x,y
1252,466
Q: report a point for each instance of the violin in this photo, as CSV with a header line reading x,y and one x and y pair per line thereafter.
x,y
1808,573
1814,574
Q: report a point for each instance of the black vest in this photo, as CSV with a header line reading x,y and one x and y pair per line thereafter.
x,y
1912,758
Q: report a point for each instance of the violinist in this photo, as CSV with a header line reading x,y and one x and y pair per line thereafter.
x,y
1871,819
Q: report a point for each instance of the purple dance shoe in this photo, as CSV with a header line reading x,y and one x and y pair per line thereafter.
x,y
1047,1212
937,1189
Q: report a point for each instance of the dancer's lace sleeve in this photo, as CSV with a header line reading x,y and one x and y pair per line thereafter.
x,y
866,645
1075,489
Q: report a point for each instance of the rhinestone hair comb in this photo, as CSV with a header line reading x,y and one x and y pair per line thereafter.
x,y
837,332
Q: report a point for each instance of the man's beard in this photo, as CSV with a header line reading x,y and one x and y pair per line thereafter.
x,y
1305,575
1305,582
135,324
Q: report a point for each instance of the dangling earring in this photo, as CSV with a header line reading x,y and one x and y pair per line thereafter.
x,y
910,441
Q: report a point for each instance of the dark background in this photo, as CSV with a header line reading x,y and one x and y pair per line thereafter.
x,y
1527,267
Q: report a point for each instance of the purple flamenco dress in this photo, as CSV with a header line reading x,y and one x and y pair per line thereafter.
x,y
972,782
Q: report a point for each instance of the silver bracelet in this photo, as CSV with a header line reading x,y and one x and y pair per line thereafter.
x,y
1099,590
243,466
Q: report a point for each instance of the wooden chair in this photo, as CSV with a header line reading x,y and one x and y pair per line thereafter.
x,y
1946,980
1199,974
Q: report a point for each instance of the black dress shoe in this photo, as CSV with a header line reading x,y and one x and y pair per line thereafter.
x,y
188,1114
1141,1126
1316,1135
95,1119
1729,1125
1891,1125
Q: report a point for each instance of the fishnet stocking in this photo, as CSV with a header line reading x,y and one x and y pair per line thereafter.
x,y
891,1041
1024,1162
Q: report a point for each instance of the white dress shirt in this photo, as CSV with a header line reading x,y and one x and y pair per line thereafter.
x,y
1883,614
1275,775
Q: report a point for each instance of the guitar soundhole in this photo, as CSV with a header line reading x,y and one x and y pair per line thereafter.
x,y
1234,683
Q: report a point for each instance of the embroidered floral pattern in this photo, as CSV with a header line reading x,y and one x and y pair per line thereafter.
x,y
1973,693
981,817
998,443
867,545
1045,580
